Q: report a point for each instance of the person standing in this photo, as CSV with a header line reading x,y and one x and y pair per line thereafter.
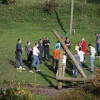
x,y
57,45
64,63
41,50
35,58
74,70
92,56
27,49
81,54
19,55
46,45
84,48
55,58
67,42
97,44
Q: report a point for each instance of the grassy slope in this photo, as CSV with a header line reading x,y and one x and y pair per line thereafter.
x,y
29,21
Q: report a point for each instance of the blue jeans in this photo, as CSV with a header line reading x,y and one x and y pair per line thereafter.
x,y
75,71
92,58
35,60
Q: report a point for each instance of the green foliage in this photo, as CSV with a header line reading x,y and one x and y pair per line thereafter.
x,y
29,20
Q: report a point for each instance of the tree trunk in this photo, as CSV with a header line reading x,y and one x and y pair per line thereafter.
x,y
85,2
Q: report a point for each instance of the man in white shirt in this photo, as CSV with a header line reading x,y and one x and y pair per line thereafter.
x,y
81,54
35,57
92,56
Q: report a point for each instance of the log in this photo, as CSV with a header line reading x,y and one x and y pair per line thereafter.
x,y
90,78
70,54
60,68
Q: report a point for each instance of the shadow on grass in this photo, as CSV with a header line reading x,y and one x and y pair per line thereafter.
x,y
48,80
93,1
69,66
50,67
11,62
59,22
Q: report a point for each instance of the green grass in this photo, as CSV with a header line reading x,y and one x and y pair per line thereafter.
x,y
29,21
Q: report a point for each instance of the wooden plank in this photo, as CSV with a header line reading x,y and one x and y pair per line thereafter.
x,y
90,78
70,54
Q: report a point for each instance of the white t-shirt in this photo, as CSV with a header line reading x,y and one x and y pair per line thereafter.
x,y
92,51
81,54
35,51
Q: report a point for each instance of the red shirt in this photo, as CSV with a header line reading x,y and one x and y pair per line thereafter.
x,y
56,54
84,47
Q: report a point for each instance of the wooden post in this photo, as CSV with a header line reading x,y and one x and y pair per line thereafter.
x,y
70,54
51,4
60,69
71,18
10,79
34,85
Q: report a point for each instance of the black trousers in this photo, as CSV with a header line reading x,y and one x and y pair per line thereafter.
x,y
40,56
46,53
53,63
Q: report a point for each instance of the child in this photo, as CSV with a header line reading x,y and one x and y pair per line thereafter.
x,y
64,63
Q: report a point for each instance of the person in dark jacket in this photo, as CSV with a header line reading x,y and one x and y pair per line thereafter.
x,y
19,55
40,47
46,45
28,52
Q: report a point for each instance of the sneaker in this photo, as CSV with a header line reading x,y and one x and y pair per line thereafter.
x,y
31,71
23,69
17,68
38,70
99,57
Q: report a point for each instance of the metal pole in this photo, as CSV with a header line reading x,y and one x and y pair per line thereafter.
x,y
71,18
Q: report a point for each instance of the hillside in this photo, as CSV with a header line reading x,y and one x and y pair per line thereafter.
x,y
30,20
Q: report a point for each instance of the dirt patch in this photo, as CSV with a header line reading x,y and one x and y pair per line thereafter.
x,y
48,91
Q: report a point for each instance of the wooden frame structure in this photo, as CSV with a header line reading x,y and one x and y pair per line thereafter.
x,y
59,77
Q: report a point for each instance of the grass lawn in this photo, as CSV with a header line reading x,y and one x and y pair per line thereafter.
x,y
29,21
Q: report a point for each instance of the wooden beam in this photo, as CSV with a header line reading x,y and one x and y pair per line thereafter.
x,y
90,78
70,54
60,68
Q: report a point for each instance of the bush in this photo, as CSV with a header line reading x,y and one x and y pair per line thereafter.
x,y
17,93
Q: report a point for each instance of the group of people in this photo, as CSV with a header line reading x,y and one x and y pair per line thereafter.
x,y
35,54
